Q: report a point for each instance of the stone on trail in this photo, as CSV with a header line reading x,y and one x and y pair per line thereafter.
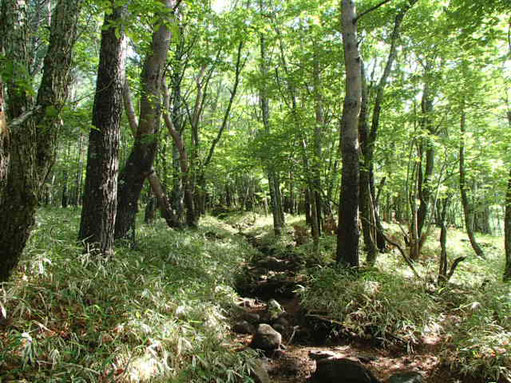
x,y
251,317
260,374
342,371
406,377
266,338
243,327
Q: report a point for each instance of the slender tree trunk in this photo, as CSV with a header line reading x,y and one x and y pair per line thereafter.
x,y
276,203
467,209
507,222
426,152
154,181
140,161
100,198
320,124
507,228
33,134
348,234
442,272
366,216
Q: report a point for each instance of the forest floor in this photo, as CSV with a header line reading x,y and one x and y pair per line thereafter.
x,y
165,309
278,272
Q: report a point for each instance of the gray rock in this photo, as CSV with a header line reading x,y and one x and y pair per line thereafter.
x,y
278,327
243,327
320,354
282,321
251,317
260,374
342,370
266,338
406,377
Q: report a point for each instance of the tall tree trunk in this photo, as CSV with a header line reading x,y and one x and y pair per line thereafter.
x,y
33,128
424,171
154,181
273,181
507,221
507,227
77,197
348,234
366,216
369,211
442,271
467,209
100,199
140,161
320,124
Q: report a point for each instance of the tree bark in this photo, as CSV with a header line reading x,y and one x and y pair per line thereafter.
x,y
33,139
348,234
100,198
507,230
157,188
507,223
467,209
140,161
273,181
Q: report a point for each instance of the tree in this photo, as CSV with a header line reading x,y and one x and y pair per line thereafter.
x,y
100,193
140,161
348,235
33,126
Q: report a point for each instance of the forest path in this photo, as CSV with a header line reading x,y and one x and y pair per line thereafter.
x,y
270,281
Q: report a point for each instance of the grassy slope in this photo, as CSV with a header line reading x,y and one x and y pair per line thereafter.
x,y
155,312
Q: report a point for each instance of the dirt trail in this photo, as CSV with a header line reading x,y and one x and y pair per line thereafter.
x,y
271,276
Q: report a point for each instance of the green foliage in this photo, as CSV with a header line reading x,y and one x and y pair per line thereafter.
x,y
480,344
157,312
371,304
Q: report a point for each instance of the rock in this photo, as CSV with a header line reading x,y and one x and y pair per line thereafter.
x,y
243,327
260,374
342,370
282,321
406,377
266,338
279,328
251,317
320,354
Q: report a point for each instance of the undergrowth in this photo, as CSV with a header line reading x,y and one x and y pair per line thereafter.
x,y
155,313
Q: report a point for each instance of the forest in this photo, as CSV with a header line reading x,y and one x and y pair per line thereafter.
x,y
255,191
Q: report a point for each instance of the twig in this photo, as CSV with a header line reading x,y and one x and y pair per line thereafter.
x,y
371,9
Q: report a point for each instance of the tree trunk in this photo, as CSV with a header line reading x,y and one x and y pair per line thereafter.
x,y
507,227
442,272
154,181
320,124
507,222
273,182
140,161
366,216
426,152
100,197
467,209
348,234
33,134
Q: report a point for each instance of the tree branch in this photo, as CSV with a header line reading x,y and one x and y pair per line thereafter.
x,y
370,10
